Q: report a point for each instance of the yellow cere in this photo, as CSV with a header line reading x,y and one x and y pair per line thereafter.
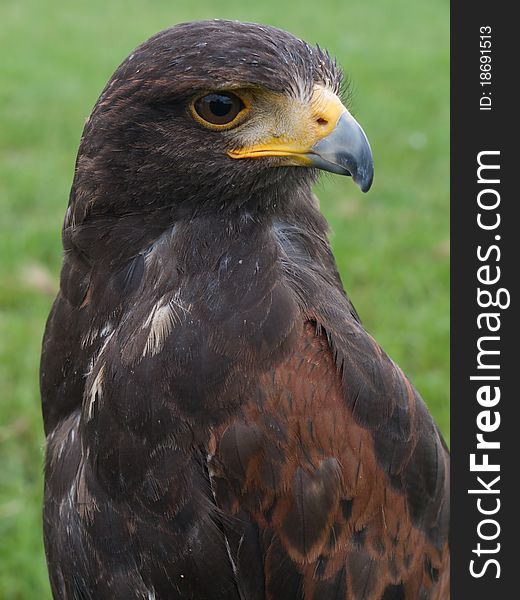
x,y
303,125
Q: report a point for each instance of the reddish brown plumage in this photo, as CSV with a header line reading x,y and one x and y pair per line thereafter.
x,y
295,444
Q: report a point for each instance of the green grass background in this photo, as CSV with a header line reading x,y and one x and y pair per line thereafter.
x,y
392,244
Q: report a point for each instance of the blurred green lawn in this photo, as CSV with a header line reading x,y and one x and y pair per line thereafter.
x,y
392,245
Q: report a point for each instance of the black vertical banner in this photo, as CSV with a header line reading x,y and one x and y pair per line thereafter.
x,y
485,362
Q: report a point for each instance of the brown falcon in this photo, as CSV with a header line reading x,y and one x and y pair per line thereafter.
x,y
219,424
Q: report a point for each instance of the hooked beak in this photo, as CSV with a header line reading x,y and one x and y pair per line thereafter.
x,y
322,134
345,151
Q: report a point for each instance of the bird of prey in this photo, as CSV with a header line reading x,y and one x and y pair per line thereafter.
x,y
219,424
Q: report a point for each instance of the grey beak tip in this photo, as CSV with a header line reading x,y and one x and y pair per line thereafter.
x,y
364,179
346,151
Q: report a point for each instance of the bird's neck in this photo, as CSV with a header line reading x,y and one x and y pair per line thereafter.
x,y
213,249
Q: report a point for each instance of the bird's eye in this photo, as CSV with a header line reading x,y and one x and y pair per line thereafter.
x,y
218,110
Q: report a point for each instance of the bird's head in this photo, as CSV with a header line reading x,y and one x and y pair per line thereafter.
x,y
218,111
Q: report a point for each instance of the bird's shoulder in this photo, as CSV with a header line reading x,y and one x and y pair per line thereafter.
x,y
338,463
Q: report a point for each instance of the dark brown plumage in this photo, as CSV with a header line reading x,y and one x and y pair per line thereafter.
x,y
219,424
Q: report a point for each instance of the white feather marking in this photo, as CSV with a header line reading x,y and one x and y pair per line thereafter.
x,y
89,337
62,437
161,320
95,358
107,329
96,390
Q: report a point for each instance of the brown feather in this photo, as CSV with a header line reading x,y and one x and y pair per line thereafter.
x,y
219,424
